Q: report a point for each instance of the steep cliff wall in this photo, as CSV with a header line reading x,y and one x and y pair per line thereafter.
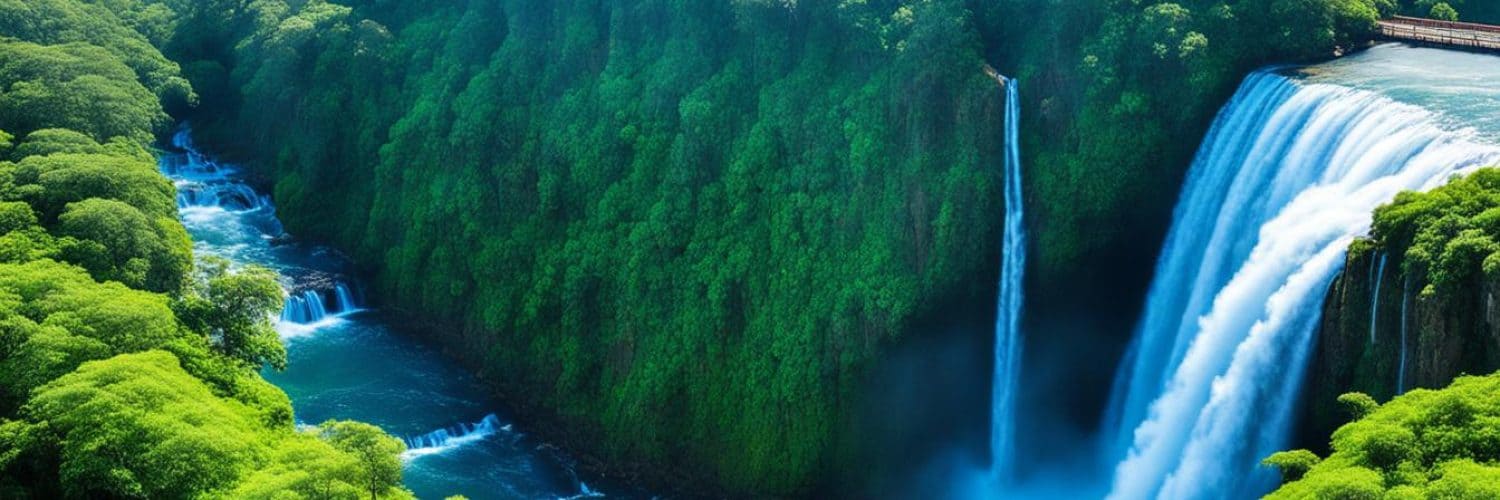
x,y
1435,303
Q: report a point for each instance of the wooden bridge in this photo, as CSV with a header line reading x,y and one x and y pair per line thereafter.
x,y
1469,36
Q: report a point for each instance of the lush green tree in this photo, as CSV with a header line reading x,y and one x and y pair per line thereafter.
x,y
305,467
1293,464
377,466
76,86
64,178
64,318
137,426
118,242
1443,12
234,308
56,140
15,216
52,22
1424,444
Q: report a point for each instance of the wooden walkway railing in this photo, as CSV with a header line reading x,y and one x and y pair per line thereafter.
x,y
1442,33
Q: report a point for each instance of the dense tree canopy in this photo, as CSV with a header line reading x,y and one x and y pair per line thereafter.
x,y
123,372
1448,234
1425,444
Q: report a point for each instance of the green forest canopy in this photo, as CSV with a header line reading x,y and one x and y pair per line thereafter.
x,y
1424,444
125,370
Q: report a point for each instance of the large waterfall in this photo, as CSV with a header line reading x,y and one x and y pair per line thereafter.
x,y
1287,177
1008,316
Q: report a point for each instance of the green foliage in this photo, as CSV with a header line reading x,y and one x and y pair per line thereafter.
x,y
1481,11
310,468
1358,404
119,243
1425,444
377,468
1292,464
234,308
15,216
105,391
1443,12
1448,235
137,426
82,23
62,178
75,86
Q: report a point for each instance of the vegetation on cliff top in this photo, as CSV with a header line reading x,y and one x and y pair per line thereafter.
x,y
1451,234
1425,444
126,371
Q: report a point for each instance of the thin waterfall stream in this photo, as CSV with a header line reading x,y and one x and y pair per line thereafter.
x,y
1375,297
1008,314
1405,303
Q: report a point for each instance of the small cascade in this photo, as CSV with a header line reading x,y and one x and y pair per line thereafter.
x,y
232,196
312,306
305,307
1375,298
442,440
345,299
1405,303
1008,315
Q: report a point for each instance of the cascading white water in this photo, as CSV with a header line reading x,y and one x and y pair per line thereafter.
x,y
305,307
1287,177
1008,316
444,439
345,299
1375,297
311,306
229,195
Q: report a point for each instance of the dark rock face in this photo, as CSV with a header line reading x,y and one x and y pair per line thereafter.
x,y
1446,334
318,281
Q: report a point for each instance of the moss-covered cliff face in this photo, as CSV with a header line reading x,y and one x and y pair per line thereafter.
x,y
1436,300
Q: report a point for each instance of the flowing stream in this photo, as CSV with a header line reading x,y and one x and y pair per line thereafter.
x,y
347,362
1287,177
1008,316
